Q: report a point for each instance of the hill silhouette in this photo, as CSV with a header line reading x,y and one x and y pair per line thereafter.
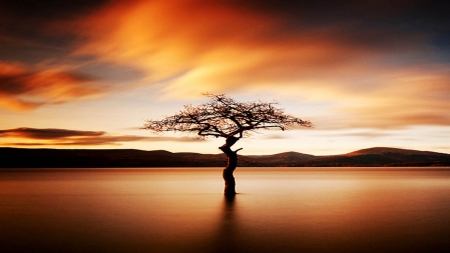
x,y
105,158
379,157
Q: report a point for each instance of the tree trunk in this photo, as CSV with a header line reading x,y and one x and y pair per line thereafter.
x,y
230,182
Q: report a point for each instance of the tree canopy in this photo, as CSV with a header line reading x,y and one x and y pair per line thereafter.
x,y
225,117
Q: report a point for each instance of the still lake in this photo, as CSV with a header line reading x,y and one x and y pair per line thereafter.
x,y
184,210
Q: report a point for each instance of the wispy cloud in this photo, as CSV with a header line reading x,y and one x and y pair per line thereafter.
x,y
66,137
407,97
274,137
377,70
22,88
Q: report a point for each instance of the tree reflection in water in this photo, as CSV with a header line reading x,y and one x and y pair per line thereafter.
x,y
227,236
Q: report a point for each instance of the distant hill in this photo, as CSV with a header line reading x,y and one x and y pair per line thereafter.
x,y
104,158
273,160
379,157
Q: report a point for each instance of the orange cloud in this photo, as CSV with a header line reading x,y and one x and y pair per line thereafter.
x,y
213,46
22,88
166,37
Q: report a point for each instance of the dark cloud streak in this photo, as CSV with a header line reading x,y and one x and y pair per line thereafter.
x,y
376,22
33,30
67,137
48,133
47,10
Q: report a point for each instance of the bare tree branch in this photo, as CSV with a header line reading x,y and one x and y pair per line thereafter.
x,y
224,117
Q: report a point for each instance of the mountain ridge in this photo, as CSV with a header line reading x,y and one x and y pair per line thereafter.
x,y
379,157
85,158
378,150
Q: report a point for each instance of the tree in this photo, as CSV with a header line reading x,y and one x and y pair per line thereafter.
x,y
224,117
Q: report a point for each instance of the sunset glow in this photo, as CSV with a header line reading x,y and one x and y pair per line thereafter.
x,y
84,75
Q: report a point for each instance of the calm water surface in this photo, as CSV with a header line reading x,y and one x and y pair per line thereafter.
x,y
183,210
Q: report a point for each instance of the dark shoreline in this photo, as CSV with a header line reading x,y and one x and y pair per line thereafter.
x,y
130,158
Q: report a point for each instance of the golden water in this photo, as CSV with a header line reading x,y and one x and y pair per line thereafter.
x,y
184,210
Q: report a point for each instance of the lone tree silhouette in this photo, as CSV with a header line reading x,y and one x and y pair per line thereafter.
x,y
224,117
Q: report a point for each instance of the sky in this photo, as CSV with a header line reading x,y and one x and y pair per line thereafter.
x,y
88,74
